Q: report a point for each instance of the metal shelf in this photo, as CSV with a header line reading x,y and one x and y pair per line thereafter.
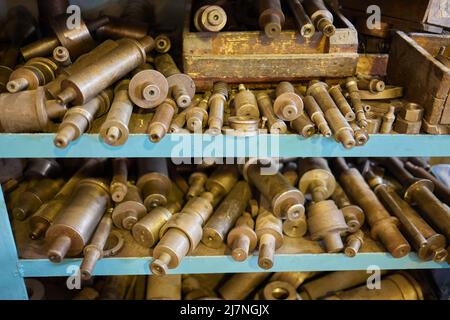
x,y
177,146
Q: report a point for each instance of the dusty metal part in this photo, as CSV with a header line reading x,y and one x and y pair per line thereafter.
x,y
179,120
114,131
74,226
163,44
55,111
389,93
242,126
399,286
119,181
342,103
316,115
320,16
217,108
160,123
353,214
94,250
240,285
271,17
164,287
197,116
62,56
361,135
40,168
245,103
285,200
373,122
221,181
148,89
373,85
34,197
153,181
118,28
352,88
242,239
46,214
316,178
288,105
353,243
343,133
388,120
197,182
30,117
304,23
182,87
130,210
35,73
7,63
384,227
274,124
409,120
269,230
40,48
83,85
78,120
278,290
303,125
210,18
225,216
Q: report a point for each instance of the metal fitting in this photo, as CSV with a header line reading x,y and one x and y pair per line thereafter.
x,y
243,126
373,122
245,103
288,105
179,120
269,230
62,56
271,17
197,182
242,239
35,73
275,125
373,85
352,88
278,290
341,102
353,215
127,213
217,107
210,18
321,16
388,120
159,125
118,28
316,115
221,181
304,23
316,178
163,44
119,182
304,126
361,135
197,116
148,88
354,242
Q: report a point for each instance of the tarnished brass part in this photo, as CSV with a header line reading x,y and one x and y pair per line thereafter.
x,y
361,135
275,125
221,181
288,105
271,17
40,48
159,125
409,120
182,87
333,282
383,226
243,126
30,117
352,88
210,18
78,120
342,131
62,56
153,181
286,201
341,102
389,93
269,230
326,222
242,239
296,279
245,103
39,168
94,250
353,215
84,85
7,63
44,217
304,23
316,115
130,210
373,85
399,286
119,182
291,175
354,242
197,182
278,290
163,44
240,285
118,28
35,73
34,197
316,178
164,287
148,89
55,111
197,116
225,216
179,120
146,231
321,16
303,125
74,226
194,288
388,120
114,131
217,108
373,122
295,228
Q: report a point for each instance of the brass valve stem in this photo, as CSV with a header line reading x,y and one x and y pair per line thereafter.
x,y
159,126
341,102
221,181
197,182
276,126
242,239
321,16
373,85
354,242
119,182
130,210
197,116
388,120
353,215
352,88
303,125
35,73
316,115
271,17
245,103
288,105
304,23
217,108
361,135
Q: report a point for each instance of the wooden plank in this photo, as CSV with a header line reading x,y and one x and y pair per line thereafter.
x,y
439,13
432,42
373,64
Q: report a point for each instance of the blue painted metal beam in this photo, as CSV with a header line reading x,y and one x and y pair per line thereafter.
x,y
225,264
89,145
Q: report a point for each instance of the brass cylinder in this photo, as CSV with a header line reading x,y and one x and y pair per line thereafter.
x,y
240,285
85,84
128,212
39,168
163,44
304,23
373,85
160,123
274,124
361,135
40,48
221,181
352,88
118,28
399,286
271,17
388,120
197,116
321,16
226,215
197,182
278,290
288,105
353,215
34,197
242,239
210,18
303,125
153,181
62,56
74,226
78,120
245,103
341,102
269,230
164,287
119,182
316,178
35,73
354,242
148,89
217,108
179,120
315,113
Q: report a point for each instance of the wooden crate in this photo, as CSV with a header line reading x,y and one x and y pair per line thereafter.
x,y
425,80
249,56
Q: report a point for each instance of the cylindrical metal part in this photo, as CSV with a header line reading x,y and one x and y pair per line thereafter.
x,y
62,56
210,18
278,290
245,103
321,16
240,285
275,125
361,135
354,242
221,181
304,23
303,125
352,88
217,108
39,168
316,115
288,105
164,287
271,17
269,230
388,120
127,213
40,48
373,85
316,178
119,182
35,73
341,102
197,182
148,89
353,215
7,63
159,125
197,116
242,239
118,28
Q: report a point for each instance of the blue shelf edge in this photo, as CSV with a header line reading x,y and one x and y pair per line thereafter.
x,y
186,146
225,264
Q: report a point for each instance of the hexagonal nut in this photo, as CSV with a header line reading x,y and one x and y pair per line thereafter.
x,y
409,127
412,112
